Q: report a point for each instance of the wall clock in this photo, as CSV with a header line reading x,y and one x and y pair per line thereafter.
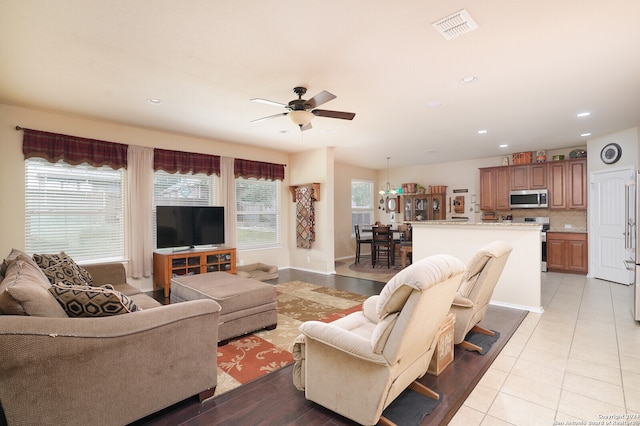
x,y
610,153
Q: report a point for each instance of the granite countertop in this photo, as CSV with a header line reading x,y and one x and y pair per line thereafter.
x,y
470,223
569,230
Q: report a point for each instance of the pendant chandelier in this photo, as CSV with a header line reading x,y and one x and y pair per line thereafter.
x,y
390,190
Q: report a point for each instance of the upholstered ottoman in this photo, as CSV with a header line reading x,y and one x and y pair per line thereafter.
x,y
247,304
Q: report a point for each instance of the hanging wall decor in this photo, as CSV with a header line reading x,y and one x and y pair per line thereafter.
x,y
305,216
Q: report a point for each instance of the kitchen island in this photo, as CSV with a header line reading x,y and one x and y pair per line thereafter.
x,y
520,285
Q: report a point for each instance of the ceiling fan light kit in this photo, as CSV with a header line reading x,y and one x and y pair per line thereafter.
x,y
301,111
301,118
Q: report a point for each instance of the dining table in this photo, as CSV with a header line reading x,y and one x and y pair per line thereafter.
x,y
368,229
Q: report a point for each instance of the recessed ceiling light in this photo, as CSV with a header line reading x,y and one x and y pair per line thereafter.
x,y
468,80
504,145
583,114
585,134
154,101
482,131
434,104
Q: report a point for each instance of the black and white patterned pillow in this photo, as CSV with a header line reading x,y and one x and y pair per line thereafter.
x,y
62,268
86,301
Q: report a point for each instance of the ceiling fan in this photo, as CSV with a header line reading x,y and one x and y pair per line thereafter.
x,y
302,111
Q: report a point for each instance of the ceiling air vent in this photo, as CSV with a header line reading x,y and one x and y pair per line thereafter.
x,y
455,25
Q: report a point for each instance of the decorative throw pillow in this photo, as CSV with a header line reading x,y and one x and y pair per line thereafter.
x,y
87,301
24,290
62,268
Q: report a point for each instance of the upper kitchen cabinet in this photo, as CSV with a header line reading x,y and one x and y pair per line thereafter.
x,y
494,188
568,184
528,176
577,183
566,181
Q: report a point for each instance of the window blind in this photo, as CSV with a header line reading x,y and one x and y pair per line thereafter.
x,y
361,203
257,212
173,189
78,209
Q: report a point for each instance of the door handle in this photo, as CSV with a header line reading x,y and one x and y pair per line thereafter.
x,y
629,264
629,222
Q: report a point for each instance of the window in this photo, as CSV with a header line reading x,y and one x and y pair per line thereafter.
x,y
175,189
361,203
258,214
76,209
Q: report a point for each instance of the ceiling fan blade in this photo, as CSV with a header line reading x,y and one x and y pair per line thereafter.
x,y
268,102
306,127
334,114
257,120
320,99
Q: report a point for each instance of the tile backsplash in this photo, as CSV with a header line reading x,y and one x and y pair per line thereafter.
x,y
557,218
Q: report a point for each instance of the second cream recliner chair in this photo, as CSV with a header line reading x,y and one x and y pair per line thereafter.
x,y
472,298
357,365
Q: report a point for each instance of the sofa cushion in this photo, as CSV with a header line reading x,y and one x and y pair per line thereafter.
x,y
87,301
382,331
62,268
9,259
143,301
23,291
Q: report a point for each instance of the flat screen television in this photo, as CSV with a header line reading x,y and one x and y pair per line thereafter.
x,y
189,226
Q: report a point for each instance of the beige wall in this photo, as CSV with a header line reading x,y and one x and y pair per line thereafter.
x,y
344,244
628,141
12,169
314,167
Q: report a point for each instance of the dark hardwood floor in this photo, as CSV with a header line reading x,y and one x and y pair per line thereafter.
x,y
273,399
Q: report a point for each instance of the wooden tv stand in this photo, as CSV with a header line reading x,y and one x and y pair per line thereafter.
x,y
167,265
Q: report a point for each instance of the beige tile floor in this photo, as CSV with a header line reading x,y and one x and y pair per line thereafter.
x,y
576,363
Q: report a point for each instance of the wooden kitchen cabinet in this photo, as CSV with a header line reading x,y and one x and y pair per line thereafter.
x,y
568,184
577,183
494,188
424,207
567,252
528,176
190,262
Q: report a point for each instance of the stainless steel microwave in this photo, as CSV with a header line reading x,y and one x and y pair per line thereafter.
x,y
529,199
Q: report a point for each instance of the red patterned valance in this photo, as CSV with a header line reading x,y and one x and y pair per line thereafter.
x,y
257,169
185,162
73,150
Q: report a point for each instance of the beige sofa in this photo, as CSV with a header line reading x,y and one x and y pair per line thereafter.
x,y
108,370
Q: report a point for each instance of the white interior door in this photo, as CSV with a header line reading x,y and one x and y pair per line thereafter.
x,y
607,225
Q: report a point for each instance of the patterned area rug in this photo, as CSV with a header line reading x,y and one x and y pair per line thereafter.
x,y
381,268
251,356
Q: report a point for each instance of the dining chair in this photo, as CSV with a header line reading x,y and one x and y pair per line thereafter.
x,y
359,241
382,245
406,245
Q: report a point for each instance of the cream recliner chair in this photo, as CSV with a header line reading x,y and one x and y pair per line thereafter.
x,y
471,301
357,365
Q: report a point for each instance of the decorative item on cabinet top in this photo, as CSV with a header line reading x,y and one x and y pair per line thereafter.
x,y
522,158
409,188
578,153
416,188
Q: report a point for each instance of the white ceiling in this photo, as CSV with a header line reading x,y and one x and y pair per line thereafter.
x,y
537,62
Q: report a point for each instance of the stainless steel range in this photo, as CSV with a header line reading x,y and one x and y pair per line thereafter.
x,y
544,221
